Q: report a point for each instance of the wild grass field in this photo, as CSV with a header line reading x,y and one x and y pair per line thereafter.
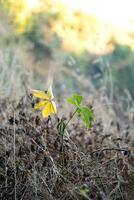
x,y
42,158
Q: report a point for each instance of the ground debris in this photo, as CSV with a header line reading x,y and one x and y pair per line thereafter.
x,y
96,166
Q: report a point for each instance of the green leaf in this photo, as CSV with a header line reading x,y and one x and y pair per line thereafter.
x,y
89,112
75,100
87,116
71,101
78,98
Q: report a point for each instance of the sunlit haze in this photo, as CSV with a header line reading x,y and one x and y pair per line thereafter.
x,y
116,14
119,12
31,4
113,19
111,10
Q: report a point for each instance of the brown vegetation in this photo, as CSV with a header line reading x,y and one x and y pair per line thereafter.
x,y
97,165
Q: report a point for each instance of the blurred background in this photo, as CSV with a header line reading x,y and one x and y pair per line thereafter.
x,y
80,45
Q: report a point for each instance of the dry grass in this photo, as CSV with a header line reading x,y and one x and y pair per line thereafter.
x,y
30,158
13,74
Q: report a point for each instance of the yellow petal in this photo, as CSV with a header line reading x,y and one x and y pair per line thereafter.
x,y
49,108
46,110
53,107
39,105
40,94
50,93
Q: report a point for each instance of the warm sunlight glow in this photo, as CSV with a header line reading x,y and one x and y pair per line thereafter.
x,y
116,19
108,10
91,25
32,4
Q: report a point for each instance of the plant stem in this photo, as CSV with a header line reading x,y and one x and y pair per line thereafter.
x,y
71,118
62,138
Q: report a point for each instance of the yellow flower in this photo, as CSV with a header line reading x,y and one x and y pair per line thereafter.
x,y
47,104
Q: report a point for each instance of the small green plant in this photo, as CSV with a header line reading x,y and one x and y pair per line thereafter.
x,y
80,109
48,107
84,191
84,111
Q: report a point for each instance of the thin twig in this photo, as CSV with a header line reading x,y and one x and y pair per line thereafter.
x,y
110,149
